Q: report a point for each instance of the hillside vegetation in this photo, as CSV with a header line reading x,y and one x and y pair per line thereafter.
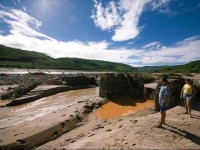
x,y
16,58
192,67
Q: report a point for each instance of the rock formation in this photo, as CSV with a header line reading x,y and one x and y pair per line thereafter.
x,y
118,85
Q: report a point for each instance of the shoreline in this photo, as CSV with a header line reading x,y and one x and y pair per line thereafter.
x,y
16,71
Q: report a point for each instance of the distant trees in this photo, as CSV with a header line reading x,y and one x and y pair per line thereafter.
x,y
16,58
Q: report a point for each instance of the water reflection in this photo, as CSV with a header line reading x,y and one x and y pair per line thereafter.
x,y
122,107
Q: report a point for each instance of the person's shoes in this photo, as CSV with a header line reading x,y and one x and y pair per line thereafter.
x,y
185,113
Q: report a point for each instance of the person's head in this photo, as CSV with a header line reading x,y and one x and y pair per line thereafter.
x,y
164,81
188,81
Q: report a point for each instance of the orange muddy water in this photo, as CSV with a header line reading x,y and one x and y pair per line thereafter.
x,y
125,107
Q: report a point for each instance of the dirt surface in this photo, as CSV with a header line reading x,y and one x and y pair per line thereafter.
x,y
135,131
60,122
69,120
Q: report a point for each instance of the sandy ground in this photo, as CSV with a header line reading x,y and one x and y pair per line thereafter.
x,y
58,122
135,131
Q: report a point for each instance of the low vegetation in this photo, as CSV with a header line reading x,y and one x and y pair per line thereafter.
x,y
192,67
16,58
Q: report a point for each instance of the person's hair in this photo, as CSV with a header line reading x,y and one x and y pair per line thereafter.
x,y
164,79
189,81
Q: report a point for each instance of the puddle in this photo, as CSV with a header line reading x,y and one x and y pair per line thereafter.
x,y
113,109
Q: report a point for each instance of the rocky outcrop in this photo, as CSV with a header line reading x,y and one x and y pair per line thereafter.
x,y
18,90
20,85
118,85
79,80
39,92
196,84
49,79
93,104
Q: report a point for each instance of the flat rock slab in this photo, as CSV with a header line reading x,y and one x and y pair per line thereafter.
x,y
151,85
36,123
39,92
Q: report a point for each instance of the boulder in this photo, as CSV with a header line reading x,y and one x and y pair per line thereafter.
x,y
119,85
79,80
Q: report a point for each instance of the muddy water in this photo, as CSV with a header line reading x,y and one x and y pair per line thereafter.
x,y
115,109
10,116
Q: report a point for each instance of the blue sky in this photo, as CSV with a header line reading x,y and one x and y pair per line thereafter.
x,y
133,32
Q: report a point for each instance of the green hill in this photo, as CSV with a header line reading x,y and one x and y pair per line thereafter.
x,y
192,67
17,58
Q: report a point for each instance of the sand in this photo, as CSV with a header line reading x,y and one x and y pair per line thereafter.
x,y
63,121
135,131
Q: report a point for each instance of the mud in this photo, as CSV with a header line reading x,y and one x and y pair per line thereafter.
x,y
111,109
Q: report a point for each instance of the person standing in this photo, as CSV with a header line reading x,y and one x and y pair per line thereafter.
x,y
187,93
164,95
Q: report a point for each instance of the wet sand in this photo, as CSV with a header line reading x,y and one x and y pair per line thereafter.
x,y
10,116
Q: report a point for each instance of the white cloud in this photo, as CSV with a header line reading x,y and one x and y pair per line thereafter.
x,y
21,23
160,5
23,34
128,28
152,45
183,52
106,18
123,17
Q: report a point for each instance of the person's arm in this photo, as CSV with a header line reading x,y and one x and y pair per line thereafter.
x,y
164,100
165,97
181,96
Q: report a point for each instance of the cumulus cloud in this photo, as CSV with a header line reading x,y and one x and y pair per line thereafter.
x,y
24,34
123,17
106,18
182,52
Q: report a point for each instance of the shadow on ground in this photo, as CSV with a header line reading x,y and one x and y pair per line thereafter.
x,y
186,134
127,101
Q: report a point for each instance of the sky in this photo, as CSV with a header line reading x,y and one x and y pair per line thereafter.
x,y
134,32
